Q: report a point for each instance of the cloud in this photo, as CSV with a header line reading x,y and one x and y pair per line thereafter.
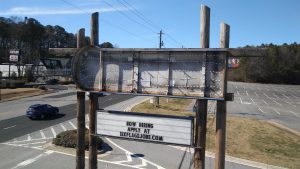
x,y
30,11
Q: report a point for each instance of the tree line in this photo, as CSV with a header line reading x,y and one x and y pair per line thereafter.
x,y
280,65
34,39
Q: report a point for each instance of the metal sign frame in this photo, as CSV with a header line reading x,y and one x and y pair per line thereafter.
x,y
186,73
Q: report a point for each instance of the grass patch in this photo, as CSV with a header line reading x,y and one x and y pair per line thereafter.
x,y
166,106
246,138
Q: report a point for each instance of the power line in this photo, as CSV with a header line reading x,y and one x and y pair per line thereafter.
x,y
107,22
139,14
170,37
128,17
146,20
117,27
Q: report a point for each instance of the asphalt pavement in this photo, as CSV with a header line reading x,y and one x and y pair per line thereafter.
x,y
277,103
23,140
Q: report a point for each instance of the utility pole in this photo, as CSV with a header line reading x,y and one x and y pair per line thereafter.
x,y
161,43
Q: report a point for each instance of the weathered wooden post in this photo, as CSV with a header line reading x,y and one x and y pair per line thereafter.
x,y
80,151
95,29
201,104
221,107
81,38
93,105
93,101
0,85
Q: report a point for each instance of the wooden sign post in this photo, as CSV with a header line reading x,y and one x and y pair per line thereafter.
x,y
221,107
201,104
80,150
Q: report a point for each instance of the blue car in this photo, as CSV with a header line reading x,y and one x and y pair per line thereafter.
x,y
41,111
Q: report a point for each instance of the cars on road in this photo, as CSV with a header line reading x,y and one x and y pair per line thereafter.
x,y
41,111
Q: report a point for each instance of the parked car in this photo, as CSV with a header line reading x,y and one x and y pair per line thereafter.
x,y
41,111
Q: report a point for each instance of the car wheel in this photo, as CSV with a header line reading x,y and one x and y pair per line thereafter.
x,y
42,116
55,113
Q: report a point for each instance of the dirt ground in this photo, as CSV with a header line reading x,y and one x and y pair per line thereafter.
x,y
12,94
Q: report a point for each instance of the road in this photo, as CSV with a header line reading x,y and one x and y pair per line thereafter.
x,y
17,124
25,142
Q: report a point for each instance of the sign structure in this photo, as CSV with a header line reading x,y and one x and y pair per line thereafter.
x,y
192,73
14,55
146,127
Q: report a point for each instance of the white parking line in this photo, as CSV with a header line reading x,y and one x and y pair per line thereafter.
x,y
276,111
252,100
265,102
237,92
286,96
295,114
53,132
72,124
28,137
276,102
126,151
247,93
295,96
290,104
63,127
244,102
129,159
9,127
266,95
241,100
282,90
256,94
42,142
276,96
42,134
32,160
260,110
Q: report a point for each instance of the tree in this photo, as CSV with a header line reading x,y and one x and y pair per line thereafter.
x,y
280,65
106,45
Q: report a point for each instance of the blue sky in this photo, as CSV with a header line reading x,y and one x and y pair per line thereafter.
x,y
252,22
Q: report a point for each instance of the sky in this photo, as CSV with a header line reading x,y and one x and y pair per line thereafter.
x,y
136,23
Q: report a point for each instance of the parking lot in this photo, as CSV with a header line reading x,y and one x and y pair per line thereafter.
x,y
277,103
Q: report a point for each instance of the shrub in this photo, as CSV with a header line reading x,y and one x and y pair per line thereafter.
x,y
29,76
52,81
13,75
65,82
69,139
42,87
